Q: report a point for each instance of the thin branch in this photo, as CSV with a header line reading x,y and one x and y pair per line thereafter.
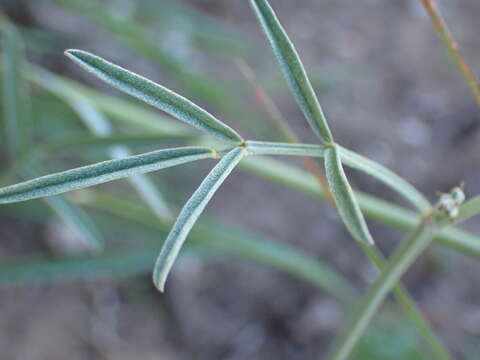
x,y
266,101
453,48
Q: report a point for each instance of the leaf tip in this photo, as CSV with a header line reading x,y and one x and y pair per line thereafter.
x,y
159,281
71,52
76,54
370,241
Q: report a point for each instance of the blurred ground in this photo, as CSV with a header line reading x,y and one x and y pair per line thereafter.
x,y
395,98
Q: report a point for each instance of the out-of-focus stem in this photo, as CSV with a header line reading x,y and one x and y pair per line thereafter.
x,y
453,48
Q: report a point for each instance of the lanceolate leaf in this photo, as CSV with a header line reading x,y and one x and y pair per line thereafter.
x,y
101,172
154,94
344,198
292,69
386,176
190,213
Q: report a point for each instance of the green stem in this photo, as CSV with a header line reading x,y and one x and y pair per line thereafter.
x,y
351,159
277,148
400,262
410,307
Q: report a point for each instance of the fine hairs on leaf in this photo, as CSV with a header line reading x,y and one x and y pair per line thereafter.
x,y
302,90
344,198
101,172
154,94
292,69
190,213
89,105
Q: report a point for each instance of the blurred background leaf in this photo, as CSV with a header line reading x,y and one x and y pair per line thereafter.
x,y
385,101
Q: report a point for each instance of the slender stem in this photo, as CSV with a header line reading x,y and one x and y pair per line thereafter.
x,y
453,48
410,307
275,148
401,261
266,101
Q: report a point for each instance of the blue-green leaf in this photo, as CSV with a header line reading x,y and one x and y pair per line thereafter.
x,y
154,94
292,69
344,197
101,172
190,213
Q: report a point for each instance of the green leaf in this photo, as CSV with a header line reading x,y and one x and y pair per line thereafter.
x,y
401,260
190,213
18,127
344,197
386,176
154,94
292,69
101,172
